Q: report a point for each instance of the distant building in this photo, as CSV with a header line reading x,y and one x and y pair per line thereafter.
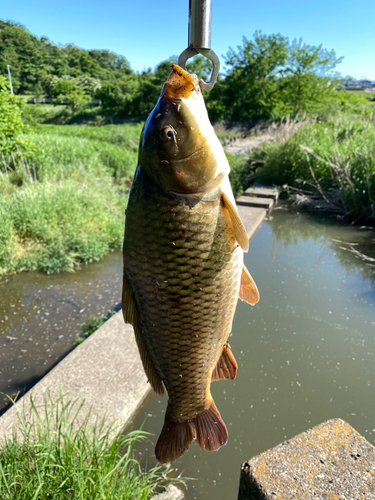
x,y
365,84
350,84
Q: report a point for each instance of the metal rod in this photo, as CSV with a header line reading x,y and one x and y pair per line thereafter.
x,y
200,12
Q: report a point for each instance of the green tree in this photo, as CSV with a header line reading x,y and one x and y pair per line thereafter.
x,y
251,90
199,65
11,124
309,79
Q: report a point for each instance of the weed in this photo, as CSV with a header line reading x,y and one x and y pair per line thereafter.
x,y
57,455
91,325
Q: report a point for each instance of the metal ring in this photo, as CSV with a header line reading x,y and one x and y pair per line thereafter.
x,y
211,55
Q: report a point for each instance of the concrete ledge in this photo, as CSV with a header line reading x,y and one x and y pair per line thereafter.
x,y
105,370
262,191
252,218
330,461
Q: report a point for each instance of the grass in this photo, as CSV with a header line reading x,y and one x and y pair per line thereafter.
x,y
91,325
334,155
65,205
56,455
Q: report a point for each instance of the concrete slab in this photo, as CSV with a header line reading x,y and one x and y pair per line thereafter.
x,y
252,218
250,201
105,370
262,192
331,461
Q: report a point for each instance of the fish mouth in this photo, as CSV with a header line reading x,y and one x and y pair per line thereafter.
x,y
197,152
180,84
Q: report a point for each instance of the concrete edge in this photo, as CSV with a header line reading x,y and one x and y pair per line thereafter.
x,y
105,371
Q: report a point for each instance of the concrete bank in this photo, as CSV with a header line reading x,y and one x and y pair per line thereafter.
x,y
330,461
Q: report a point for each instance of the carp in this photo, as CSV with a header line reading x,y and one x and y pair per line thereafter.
x,y
183,264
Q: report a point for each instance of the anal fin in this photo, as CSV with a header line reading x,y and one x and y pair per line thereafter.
x,y
129,310
226,367
248,290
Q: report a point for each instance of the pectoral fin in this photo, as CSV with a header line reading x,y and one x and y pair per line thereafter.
x,y
238,227
129,310
248,289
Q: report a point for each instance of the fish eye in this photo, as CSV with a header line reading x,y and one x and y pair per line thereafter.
x,y
167,133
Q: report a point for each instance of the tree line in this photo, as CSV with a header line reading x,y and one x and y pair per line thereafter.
x,y
265,78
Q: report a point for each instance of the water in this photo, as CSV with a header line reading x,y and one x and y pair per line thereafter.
x,y
305,352
41,316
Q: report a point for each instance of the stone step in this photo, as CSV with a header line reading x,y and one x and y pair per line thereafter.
x,y
250,201
260,191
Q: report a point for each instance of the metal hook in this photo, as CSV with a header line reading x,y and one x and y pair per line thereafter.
x,y
200,39
211,55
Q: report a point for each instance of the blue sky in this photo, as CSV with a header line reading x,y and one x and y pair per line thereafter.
x,y
147,32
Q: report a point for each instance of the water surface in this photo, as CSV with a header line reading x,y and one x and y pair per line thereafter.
x,y
305,352
41,316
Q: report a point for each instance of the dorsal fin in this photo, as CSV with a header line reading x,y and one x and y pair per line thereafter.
x,y
248,289
238,227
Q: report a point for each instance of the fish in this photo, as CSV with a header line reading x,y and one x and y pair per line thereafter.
x,y
183,265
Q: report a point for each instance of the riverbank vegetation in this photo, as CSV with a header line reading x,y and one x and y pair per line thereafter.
x,y
63,194
57,455
335,158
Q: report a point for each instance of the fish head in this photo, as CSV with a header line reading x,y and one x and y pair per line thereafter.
x,y
179,149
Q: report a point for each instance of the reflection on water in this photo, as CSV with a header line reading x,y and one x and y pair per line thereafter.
x,y
40,317
305,352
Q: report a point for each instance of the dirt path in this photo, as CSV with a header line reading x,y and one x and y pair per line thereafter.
x,y
244,137
239,146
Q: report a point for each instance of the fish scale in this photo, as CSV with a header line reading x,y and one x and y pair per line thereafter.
x,y
179,301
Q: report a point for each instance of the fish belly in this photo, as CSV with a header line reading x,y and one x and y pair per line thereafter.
x,y
184,268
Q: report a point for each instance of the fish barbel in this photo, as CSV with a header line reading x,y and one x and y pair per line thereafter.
x,y
183,264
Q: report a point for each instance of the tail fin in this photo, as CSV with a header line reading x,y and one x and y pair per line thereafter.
x,y
174,439
207,428
211,432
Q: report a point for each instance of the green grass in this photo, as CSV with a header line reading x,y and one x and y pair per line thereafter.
x,y
57,456
64,206
338,154
91,325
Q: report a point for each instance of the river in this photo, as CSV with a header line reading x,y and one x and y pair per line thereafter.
x,y
305,352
